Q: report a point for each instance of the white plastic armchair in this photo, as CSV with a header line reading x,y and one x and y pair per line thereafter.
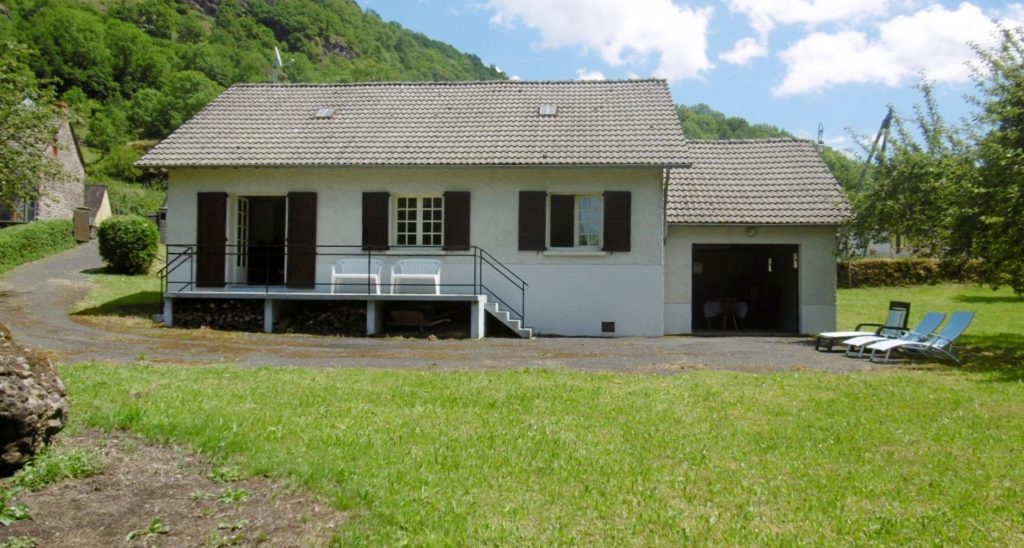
x,y
354,271
415,270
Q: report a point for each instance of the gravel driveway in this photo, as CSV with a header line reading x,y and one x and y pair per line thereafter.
x,y
35,300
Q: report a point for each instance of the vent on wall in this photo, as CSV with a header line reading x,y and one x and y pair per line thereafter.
x,y
607,327
548,110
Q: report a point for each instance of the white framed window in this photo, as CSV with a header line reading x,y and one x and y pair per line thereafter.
x,y
419,220
575,221
242,249
588,222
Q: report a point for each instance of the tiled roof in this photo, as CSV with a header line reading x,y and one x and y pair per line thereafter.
x,y
760,181
631,122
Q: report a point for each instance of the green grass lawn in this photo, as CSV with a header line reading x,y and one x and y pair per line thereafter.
x,y
899,456
547,457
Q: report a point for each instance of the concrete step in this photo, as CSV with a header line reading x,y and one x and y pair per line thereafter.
x,y
505,318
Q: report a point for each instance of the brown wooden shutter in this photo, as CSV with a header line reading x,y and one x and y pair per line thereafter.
x,y
618,207
456,221
302,240
563,220
532,220
375,220
211,237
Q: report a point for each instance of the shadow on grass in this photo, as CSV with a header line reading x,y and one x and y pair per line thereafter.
x,y
993,299
142,304
1000,355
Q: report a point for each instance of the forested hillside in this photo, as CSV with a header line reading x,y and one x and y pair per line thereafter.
x,y
703,122
132,71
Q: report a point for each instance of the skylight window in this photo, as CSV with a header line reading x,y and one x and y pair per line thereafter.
x,y
548,110
325,113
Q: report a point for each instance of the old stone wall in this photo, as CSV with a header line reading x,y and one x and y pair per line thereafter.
x,y
58,199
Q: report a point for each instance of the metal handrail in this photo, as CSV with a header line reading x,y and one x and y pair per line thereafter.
x,y
172,265
521,285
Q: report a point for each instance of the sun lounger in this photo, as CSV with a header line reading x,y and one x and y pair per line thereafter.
x,y
920,332
895,321
935,346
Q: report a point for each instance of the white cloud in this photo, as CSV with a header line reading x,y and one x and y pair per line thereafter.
x,y
746,50
584,74
622,33
765,15
933,40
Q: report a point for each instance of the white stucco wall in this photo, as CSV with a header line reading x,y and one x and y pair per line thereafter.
x,y
816,272
569,294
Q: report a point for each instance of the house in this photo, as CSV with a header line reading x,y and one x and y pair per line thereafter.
x,y
97,201
558,207
57,198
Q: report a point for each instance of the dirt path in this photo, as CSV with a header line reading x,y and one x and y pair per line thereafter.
x,y
35,300
142,481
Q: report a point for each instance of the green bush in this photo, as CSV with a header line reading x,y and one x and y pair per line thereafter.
x,y
21,244
129,244
904,272
119,163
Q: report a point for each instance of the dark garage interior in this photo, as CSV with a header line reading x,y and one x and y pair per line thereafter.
x,y
749,288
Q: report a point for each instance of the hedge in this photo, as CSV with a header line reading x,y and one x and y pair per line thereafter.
x,y
129,244
903,272
20,244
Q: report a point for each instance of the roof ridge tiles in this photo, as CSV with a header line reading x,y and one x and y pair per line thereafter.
x,y
443,83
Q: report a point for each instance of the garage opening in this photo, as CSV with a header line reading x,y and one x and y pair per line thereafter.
x,y
746,288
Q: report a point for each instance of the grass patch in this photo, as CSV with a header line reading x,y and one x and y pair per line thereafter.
x,y
52,466
558,457
25,243
122,294
995,339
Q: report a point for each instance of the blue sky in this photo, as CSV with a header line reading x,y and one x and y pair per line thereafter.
x,y
789,63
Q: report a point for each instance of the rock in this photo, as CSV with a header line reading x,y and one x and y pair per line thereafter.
x,y
33,404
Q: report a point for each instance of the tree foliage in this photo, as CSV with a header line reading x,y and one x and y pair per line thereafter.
x,y
28,123
998,233
703,122
917,181
957,192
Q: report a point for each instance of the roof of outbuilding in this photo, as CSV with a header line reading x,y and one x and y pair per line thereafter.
x,y
629,122
757,181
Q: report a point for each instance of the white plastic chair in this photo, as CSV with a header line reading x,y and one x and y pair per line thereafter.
x,y
355,271
412,270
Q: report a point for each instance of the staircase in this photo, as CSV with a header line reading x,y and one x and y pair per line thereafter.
x,y
505,318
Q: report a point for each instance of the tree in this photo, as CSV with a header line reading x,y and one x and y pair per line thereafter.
x,y
998,237
72,50
917,186
703,122
27,128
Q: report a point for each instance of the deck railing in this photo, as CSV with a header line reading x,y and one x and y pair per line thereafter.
x,y
472,271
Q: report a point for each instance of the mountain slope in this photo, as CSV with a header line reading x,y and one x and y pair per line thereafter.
x,y
134,69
